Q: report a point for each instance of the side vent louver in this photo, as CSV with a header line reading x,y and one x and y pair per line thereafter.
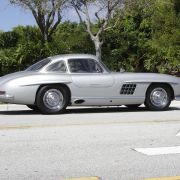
x,y
128,89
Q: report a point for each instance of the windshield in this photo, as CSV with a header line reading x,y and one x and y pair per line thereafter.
x,y
39,65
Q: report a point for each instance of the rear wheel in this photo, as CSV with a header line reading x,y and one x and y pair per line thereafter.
x,y
52,99
158,97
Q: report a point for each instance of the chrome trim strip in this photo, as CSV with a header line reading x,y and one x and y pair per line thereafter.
x,y
135,82
46,82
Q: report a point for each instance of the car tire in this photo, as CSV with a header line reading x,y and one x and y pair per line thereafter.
x,y
52,99
158,97
33,107
133,106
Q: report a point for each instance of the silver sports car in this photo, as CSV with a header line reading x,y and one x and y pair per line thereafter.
x,y
56,82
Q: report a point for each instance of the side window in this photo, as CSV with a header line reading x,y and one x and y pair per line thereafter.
x,y
84,66
57,67
94,66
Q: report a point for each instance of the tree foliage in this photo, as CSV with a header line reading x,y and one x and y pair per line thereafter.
x,y
165,41
146,38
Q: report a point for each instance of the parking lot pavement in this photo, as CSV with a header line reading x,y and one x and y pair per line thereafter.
x,y
105,151
84,178
89,142
20,116
166,178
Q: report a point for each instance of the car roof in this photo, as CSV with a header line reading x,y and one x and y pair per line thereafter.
x,y
73,56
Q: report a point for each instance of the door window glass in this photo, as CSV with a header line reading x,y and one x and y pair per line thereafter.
x,y
84,66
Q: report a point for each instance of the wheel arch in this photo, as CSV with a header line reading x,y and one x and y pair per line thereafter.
x,y
165,84
55,84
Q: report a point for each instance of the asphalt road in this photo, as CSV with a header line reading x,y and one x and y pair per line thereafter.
x,y
86,142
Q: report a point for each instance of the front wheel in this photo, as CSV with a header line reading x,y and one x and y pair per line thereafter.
x,y
158,97
52,99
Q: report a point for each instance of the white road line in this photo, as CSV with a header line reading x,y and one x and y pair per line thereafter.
x,y
159,150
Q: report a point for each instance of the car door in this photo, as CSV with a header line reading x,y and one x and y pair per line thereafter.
x,y
89,78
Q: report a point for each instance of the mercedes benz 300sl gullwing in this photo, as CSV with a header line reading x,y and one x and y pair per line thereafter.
x,y
56,82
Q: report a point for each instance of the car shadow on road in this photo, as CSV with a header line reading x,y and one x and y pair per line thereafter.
x,y
19,112
112,110
87,110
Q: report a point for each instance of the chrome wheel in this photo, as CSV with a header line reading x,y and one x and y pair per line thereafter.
x,y
159,97
53,99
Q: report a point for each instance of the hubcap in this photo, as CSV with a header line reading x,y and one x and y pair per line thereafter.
x,y
53,99
159,97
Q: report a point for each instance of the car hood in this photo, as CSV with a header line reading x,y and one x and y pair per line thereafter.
x,y
147,77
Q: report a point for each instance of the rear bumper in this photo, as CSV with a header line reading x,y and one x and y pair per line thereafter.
x,y
6,98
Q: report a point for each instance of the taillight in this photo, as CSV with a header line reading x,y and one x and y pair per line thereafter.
x,y
2,92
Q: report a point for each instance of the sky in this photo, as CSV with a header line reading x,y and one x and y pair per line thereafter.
x,y
12,16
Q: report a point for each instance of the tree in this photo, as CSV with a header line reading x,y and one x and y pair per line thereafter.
x,y
128,41
22,46
104,11
147,37
47,14
164,45
70,37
